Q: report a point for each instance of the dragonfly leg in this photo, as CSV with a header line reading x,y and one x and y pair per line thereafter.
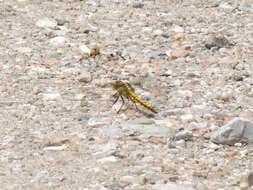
x,y
117,97
116,94
123,102
134,103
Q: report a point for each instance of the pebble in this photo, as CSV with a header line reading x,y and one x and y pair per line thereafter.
x,y
180,143
51,96
187,118
46,22
225,5
55,148
177,53
58,41
178,29
138,5
85,49
85,77
107,159
158,32
217,41
183,135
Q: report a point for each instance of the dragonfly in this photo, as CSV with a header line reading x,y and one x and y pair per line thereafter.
x,y
125,90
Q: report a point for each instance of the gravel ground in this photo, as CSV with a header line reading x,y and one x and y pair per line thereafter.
x,y
191,58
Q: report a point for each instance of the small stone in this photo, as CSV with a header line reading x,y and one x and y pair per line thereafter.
x,y
46,22
180,143
55,148
187,117
177,53
213,146
108,159
51,96
85,49
138,5
129,179
225,5
58,41
158,32
168,73
85,77
238,144
147,30
185,135
178,29
218,42
61,22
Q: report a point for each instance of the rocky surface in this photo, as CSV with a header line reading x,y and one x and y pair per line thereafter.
x,y
59,130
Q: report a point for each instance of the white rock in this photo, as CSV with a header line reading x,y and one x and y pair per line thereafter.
x,y
85,49
108,159
55,148
187,117
225,5
46,22
178,29
51,96
58,41
158,32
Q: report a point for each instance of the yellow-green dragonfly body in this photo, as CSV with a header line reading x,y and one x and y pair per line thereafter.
x,y
125,90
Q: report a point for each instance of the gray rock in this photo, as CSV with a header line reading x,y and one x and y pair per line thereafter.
x,y
185,135
138,5
218,42
246,7
170,186
46,22
111,131
236,130
148,129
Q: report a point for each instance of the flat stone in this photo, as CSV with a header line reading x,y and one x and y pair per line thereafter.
x,y
111,131
148,130
170,186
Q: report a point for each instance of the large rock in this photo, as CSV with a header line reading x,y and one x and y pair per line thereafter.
x,y
236,130
148,128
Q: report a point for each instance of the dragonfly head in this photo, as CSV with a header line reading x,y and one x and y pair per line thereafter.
x,y
117,84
